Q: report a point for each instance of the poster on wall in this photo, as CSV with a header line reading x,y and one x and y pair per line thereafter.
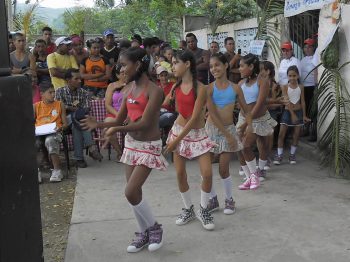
x,y
256,47
294,7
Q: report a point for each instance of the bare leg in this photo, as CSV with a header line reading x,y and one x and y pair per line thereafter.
x,y
206,171
282,135
296,134
55,161
224,165
180,166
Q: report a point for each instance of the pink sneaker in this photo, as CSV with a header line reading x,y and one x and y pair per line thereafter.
x,y
245,185
254,181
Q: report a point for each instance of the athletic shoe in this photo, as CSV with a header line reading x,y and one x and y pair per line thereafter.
x,y
155,237
261,174
241,172
268,165
39,176
186,216
254,181
213,204
94,154
206,218
277,159
81,164
141,240
292,159
56,176
230,206
245,185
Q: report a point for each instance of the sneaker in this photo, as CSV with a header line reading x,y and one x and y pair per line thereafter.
x,y
206,218
268,165
254,181
186,216
94,154
56,176
245,185
292,159
277,159
155,237
141,240
39,176
230,206
261,174
241,172
81,164
213,204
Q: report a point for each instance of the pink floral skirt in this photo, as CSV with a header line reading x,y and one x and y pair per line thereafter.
x,y
194,144
143,153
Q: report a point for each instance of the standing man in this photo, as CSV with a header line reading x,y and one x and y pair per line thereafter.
x,y
60,61
110,51
202,58
214,48
47,36
233,59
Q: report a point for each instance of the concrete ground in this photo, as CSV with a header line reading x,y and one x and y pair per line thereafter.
x,y
299,214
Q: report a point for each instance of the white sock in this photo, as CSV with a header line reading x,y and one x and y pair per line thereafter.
x,y
280,151
293,149
204,199
141,223
145,212
262,164
252,166
186,198
246,171
227,184
212,192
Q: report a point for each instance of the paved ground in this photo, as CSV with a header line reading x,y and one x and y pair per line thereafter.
x,y
299,214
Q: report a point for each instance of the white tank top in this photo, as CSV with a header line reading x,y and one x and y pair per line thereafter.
x,y
294,94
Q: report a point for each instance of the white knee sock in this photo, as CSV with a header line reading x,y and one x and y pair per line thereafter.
x,y
293,149
141,223
227,183
252,165
280,151
262,164
186,198
212,192
204,199
145,212
246,171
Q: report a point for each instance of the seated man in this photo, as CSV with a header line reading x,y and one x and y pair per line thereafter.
x,y
76,99
49,111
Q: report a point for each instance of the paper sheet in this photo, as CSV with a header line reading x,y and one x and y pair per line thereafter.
x,y
45,129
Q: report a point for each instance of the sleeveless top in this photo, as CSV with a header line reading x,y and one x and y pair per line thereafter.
x,y
95,67
117,100
250,93
136,106
223,97
294,94
25,63
185,103
48,113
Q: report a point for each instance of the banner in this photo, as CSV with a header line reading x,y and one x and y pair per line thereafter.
x,y
256,47
294,7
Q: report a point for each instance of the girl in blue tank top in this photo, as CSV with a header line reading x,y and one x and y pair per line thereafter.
x,y
222,97
255,88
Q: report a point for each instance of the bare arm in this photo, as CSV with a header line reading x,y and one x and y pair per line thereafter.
x,y
204,65
64,116
263,94
32,64
57,72
107,75
87,76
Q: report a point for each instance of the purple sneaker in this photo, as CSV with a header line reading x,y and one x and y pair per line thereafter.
x,y
139,242
292,159
155,237
213,204
277,159
230,206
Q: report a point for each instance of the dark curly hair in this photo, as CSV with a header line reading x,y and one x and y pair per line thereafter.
x,y
251,59
135,54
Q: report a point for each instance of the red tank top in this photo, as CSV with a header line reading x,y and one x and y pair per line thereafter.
x,y
136,106
185,103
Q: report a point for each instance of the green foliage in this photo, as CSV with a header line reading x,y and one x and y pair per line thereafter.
x,y
105,3
330,56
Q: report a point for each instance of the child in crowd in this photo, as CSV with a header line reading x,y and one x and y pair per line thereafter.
x,y
222,96
188,138
143,145
45,112
255,90
294,114
95,70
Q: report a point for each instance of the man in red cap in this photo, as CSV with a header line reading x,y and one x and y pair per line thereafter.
x,y
287,61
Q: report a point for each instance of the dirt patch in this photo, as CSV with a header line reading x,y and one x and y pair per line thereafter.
x,y
56,212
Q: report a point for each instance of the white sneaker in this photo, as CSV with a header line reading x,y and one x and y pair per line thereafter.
x,y
241,172
206,218
56,176
39,176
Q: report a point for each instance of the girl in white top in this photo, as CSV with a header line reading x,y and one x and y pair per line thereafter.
x,y
294,114
287,61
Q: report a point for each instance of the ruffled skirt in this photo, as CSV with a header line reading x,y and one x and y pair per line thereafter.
x,y
194,144
262,126
143,153
220,140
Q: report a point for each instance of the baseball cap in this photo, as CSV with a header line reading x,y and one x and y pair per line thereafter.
x,y
63,40
287,45
161,69
108,32
309,41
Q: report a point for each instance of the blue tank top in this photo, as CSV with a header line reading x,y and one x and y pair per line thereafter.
x,y
223,97
250,93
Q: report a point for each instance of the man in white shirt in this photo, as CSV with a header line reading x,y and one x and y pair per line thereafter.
x,y
287,61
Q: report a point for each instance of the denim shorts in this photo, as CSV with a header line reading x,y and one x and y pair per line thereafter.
x,y
286,118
